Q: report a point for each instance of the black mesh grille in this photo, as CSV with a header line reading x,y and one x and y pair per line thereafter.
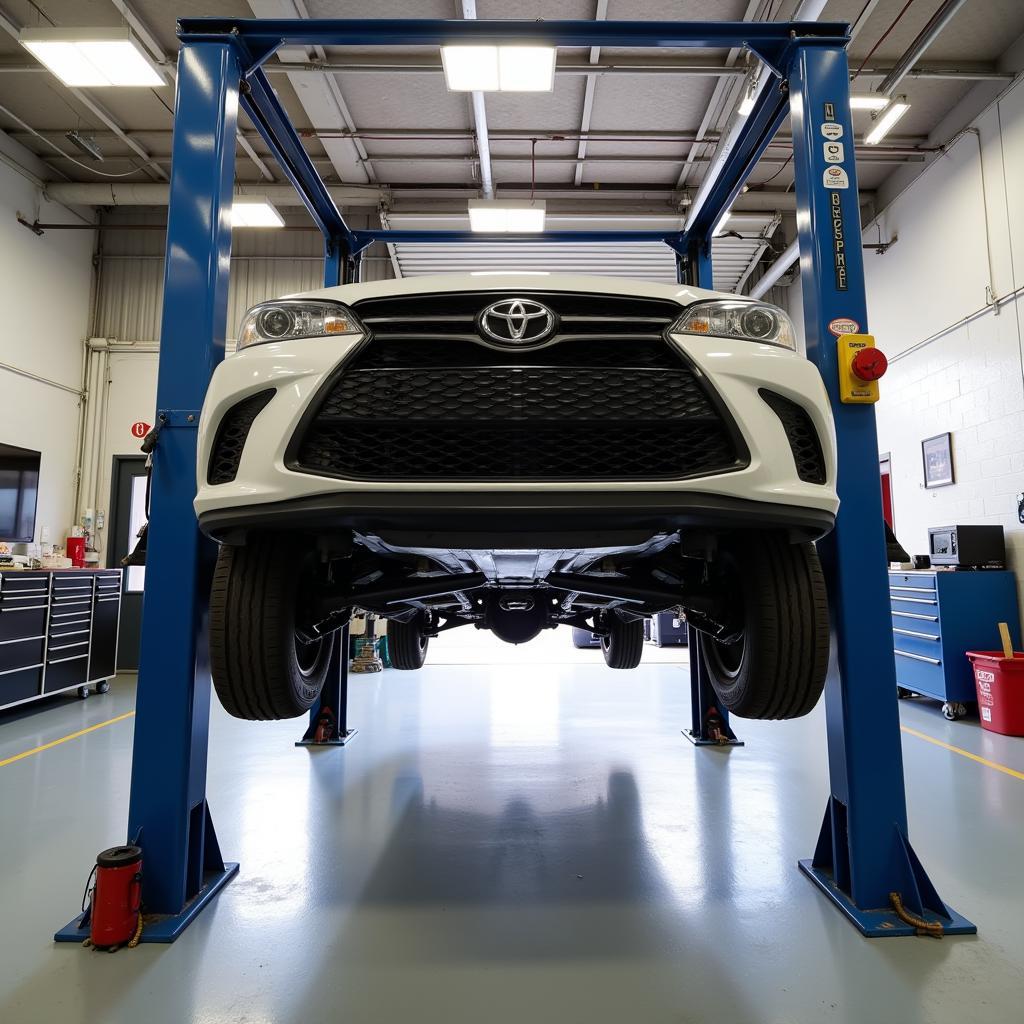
x,y
608,398
231,434
803,438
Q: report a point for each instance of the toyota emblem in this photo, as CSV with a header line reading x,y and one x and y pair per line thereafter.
x,y
517,322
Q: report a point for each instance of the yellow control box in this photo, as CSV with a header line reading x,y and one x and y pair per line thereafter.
x,y
853,389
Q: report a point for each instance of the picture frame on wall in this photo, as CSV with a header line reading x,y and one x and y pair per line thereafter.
x,y
937,458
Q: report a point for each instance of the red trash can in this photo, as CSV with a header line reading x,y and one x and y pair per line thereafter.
x,y
1000,685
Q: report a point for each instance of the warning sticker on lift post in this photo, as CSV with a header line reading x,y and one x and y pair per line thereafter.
x,y
838,239
835,177
834,152
843,325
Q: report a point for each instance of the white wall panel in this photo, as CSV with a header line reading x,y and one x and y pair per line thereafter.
x,y
44,293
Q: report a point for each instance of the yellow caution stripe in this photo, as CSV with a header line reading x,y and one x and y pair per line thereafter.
x,y
70,736
963,753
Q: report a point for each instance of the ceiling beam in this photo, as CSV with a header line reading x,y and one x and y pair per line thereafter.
x,y
319,95
600,14
168,71
483,140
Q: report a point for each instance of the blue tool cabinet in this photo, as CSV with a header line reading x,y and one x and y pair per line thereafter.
x,y
937,616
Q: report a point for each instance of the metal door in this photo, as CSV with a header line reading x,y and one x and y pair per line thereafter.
x,y
127,514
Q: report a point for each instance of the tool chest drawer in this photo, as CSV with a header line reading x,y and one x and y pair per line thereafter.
x,y
58,630
939,615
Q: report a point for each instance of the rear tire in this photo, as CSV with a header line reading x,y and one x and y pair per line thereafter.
x,y
262,670
777,668
623,647
407,646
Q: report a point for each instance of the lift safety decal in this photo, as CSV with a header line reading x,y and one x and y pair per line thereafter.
x,y
834,153
838,240
835,177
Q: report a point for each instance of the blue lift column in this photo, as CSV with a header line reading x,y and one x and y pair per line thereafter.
x,y
168,814
698,270
863,854
328,717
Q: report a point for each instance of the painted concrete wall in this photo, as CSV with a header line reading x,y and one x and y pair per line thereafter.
x,y
44,295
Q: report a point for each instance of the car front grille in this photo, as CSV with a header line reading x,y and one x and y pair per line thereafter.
x,y
607,398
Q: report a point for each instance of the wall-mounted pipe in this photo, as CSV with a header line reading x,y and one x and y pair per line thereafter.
x,y
938,21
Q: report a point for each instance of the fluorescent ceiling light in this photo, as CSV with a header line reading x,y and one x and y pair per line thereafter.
x,y
884,124
254,213
92,57
870,101
499,68
518,215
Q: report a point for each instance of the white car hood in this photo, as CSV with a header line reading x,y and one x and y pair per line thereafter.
x,y
437,283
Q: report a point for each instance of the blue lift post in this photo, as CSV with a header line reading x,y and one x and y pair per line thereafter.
x,y
863,853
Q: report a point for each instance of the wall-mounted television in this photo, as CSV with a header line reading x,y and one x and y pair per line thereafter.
x,y
19,490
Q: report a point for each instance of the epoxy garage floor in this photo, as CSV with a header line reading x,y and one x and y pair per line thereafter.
x,y
514,835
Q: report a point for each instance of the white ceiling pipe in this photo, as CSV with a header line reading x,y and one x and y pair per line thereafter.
x,y
938,21
789,256
153,194
483,141
809,10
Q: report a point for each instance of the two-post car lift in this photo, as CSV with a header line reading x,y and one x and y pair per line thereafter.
x,y
863,854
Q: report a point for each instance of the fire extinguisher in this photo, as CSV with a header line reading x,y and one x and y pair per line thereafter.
x,y
115,901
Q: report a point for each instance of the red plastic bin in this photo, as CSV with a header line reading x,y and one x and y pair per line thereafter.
x,y
999,682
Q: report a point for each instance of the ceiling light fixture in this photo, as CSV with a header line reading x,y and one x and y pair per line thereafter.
x,y
720,226
884,124
869,101
92,57
507,215
499,68
254,212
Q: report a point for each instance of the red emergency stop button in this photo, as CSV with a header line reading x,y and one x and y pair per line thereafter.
x,y
869,364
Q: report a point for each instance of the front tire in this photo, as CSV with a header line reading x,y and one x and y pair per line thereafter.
x,y
407,645
623,645
777,668
262,668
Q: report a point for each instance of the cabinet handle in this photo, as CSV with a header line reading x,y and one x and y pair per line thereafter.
x,y
916,590
24,668
30,608
101,599
21,595
911,600
63,636
918,657
22,640
67,647
74,657
916,615
911,632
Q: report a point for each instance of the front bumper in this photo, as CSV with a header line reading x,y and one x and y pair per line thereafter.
x,y
266,493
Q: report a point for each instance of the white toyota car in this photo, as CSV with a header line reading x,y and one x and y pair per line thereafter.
x,y
517,452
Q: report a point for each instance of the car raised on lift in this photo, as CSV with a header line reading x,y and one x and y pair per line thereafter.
x,y
517,452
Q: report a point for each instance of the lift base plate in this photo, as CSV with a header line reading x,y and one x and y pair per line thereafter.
x,y
162,927
880,923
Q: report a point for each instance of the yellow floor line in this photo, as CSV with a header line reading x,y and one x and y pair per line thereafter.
x,y
70,736
963,753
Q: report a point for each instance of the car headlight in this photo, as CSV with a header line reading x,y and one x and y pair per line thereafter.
x,y
288,319
734,318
